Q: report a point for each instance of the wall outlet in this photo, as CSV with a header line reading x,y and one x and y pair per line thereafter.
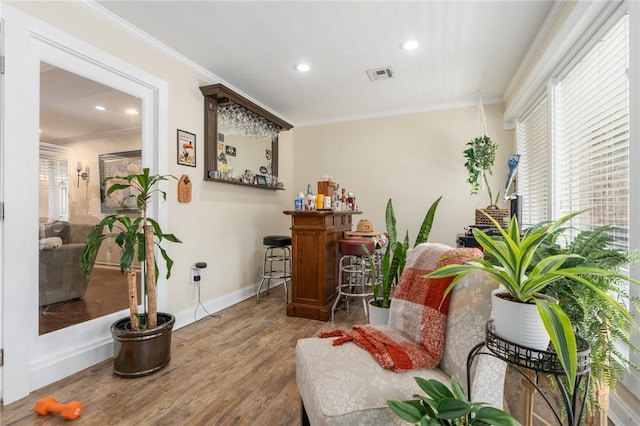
x,y
195,275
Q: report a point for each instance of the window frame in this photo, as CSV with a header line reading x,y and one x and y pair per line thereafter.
x,y
600,26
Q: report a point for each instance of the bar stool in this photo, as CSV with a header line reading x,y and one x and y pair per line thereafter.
x,y
279,252
354,273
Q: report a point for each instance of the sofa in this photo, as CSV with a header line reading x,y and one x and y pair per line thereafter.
x,y
345,385
60,276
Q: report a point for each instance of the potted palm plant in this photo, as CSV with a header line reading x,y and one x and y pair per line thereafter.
x,y
443,406
142,341
524,277
393,261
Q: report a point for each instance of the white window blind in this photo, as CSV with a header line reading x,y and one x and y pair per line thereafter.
x,y
54,203
533,146
591,165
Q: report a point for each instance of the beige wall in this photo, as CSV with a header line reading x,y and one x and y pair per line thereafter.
x,y
412,159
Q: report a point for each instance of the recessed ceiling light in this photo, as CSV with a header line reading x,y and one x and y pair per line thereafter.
x,y
302,67
131,111
100,108
410,45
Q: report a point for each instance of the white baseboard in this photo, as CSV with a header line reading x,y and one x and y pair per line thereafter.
x,y
620,414
59,366
195,313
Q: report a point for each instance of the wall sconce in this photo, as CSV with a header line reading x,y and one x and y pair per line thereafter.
x,y
84,175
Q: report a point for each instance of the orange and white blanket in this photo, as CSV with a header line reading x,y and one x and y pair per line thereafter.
x,y
415,335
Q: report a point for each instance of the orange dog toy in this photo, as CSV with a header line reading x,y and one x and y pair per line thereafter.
x,y
69,411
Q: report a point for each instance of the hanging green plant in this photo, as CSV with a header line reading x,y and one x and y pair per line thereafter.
x,y
480,156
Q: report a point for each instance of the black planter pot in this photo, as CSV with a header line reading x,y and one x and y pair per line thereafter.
x,y
142,352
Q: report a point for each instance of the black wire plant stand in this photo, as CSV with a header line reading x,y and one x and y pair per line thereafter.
x,y
545,362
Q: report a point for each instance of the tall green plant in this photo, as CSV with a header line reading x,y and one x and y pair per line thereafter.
x,y
137,238
596,322
523,275
394,256
447,407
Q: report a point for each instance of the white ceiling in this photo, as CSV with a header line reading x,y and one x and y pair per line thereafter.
x,y
67,107
466,48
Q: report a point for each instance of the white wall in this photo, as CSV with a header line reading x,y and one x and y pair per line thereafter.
x,y
412,159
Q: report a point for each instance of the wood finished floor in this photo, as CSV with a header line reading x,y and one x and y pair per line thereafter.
x,y
234,369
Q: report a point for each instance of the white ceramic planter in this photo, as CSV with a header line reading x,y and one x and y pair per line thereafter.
x,y
379,316
519,323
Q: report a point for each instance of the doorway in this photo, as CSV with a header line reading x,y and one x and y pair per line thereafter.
x,y
31,359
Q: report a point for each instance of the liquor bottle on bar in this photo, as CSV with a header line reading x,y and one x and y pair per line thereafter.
x,y
310,199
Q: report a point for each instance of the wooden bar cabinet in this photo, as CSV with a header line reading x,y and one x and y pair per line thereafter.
x,y
315,256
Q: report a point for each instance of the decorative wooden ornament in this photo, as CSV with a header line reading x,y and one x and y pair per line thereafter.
x,y
184,189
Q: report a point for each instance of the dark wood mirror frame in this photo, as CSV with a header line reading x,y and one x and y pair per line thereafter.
x,y
214,95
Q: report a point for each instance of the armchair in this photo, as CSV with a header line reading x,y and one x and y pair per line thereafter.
x,y
345,385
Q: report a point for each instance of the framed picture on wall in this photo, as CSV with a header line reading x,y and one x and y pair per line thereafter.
x,y
112,166
186,148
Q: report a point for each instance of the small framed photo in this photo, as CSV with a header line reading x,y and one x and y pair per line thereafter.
x,y
186,148
230,150
261,180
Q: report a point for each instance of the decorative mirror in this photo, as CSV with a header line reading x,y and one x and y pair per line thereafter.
x,y
241,140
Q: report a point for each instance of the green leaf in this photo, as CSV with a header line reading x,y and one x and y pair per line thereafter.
x,y
405,411
558,325
425,228
571,273
495,417
390,220
434,388
458,391
451,408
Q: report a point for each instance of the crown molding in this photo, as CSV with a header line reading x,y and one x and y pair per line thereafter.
x,y
142,36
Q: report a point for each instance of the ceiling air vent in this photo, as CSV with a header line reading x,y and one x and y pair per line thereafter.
x,y
383,73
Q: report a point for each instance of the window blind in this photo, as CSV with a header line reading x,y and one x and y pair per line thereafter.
x,y
533,146
591,167
53,182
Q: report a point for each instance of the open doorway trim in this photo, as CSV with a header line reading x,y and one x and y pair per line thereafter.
x,y
41,360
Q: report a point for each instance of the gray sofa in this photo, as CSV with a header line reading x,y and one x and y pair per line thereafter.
x,y
61,278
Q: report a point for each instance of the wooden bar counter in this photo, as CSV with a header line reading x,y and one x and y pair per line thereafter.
x,y
315,256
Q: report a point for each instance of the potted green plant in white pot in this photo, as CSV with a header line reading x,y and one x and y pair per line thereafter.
x,y
142,341
393,261
524,278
